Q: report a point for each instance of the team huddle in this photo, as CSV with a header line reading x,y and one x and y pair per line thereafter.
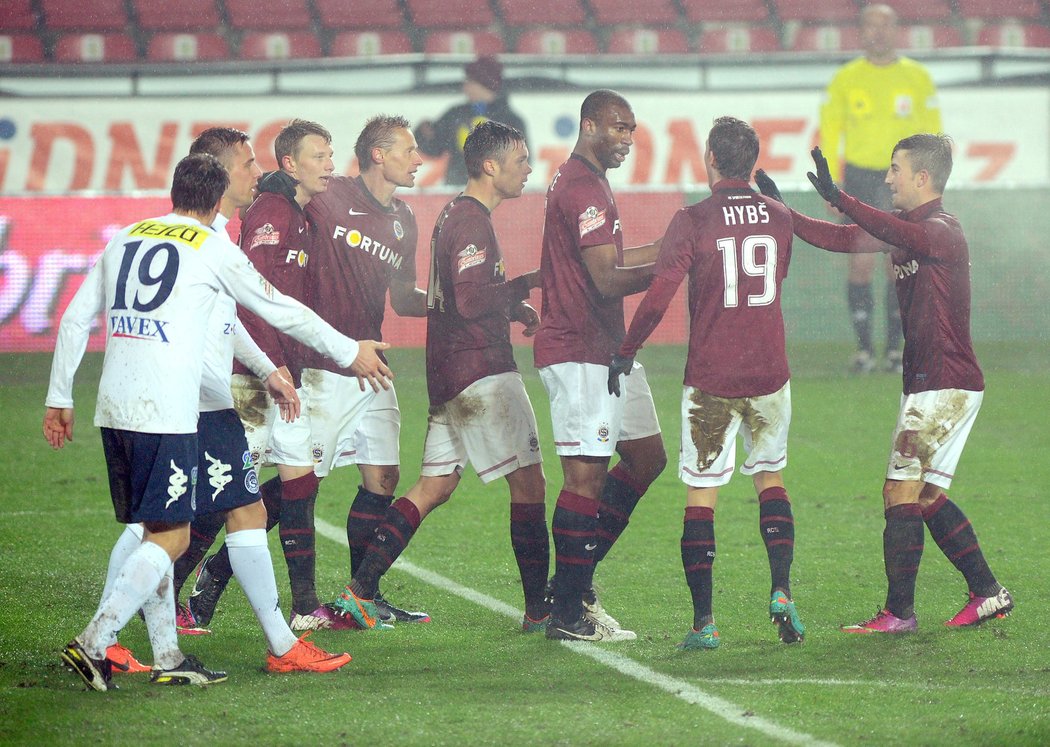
x,y
222,358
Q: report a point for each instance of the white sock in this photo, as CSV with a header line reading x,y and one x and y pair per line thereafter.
x,y
159,611
253,569
137,579
127,543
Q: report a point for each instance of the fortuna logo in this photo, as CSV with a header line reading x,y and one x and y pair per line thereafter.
x,y
367,244
137,327
176,484
218,475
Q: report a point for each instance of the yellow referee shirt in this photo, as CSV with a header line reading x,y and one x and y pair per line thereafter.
x,y
873,107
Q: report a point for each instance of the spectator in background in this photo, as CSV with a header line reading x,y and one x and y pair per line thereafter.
x,y
871,103
483,88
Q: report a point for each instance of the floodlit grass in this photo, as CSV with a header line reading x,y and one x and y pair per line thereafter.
x,y
471,677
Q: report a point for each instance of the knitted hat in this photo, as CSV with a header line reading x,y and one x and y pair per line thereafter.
x,y
488,71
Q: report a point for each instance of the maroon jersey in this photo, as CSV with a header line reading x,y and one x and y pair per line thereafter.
x,y
931,263
277,239
579,324
735,247
468,302
361,246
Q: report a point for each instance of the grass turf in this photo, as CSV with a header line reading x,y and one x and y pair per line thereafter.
x,y
471,678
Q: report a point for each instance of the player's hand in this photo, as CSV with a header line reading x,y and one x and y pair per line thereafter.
x,y
528,316
533,279
822,180
369,368
619,364
58,426
767,186
281,389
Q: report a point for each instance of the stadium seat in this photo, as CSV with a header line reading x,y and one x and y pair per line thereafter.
x,y
721,11
919,10
353,15
817,11
184,15
20,48
999,9
556,41
542,12
173,47
647,41
369,43
463,42
84,15
450,14
1010,35
650,13
276,45
269,15
737,39
921,37
826,39
95,48
17,15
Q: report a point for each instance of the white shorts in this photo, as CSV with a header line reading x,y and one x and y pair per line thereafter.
x,y
932,428
709,429
257,412
587,420
376,441
489,425
334,408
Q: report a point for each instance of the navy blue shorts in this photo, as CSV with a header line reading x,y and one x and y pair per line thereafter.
x,y
152,476
224,465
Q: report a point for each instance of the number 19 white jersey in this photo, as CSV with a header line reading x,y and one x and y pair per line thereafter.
x,y
157,281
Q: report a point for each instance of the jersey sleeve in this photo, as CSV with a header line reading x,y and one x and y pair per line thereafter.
x,y
833,237
250,354
73,333
239,278
474,259
591,216
928,238
406,273
676,249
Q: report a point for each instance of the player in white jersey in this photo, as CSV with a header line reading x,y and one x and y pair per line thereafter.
x,y
157,281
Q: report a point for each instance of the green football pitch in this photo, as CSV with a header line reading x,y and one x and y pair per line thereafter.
x,y
471,677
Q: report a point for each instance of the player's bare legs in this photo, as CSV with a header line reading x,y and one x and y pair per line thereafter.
x,y
530,540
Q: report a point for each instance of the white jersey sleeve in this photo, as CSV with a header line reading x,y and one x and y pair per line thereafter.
x,y
73,333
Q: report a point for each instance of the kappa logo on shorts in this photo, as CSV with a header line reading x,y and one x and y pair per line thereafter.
x,y
591,219
218,475
470,257
603,433
265,235
176,484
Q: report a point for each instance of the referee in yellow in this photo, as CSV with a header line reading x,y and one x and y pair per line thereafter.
x,y
873,102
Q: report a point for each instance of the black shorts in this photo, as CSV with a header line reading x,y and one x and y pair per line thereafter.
x,y
152,476
227,479
867,185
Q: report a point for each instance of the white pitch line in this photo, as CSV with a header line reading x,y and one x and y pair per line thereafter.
x,y
680,689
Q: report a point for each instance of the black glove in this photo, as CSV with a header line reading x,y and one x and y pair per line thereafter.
x,y
822,180
619,365
767,186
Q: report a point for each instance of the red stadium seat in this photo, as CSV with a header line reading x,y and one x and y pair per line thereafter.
x,y
95,48
826,39
647,41
999,9
356,15
84,15
369,43
1014,35
556,41
17,15
276,45
542,12
738,39
817,11
20,48
919,10
721,11
269,15
172,47
450,14
184,15
463,42
921,37
650,13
